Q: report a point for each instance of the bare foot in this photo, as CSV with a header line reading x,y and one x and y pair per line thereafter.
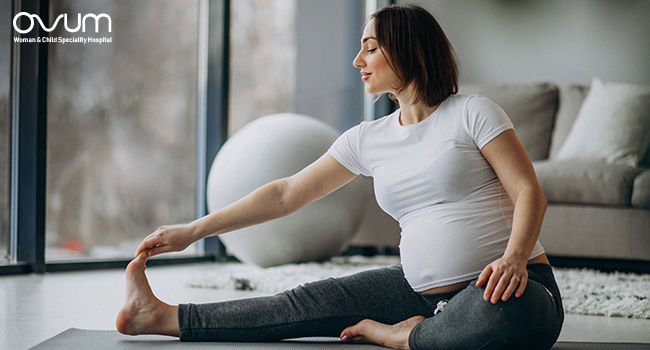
x,y
143,313
393,336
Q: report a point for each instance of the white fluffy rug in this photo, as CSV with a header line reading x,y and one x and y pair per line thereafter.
x,y
584,291
616,294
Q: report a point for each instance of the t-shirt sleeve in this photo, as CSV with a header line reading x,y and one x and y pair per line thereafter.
x,y
485,120
345,150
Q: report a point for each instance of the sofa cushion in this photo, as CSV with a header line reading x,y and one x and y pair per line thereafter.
x,y
531,107
641,190
613,125
585,181
571,99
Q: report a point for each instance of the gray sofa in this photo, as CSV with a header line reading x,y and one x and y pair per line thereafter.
x,y
596,209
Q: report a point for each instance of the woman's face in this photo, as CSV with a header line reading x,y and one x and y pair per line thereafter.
x,y
375,71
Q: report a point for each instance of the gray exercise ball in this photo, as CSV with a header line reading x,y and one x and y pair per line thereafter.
x,y
270,148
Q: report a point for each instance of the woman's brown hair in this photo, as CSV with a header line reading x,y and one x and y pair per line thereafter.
x,y
418,51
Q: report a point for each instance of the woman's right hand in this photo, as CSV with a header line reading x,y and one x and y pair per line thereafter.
x,y
171,238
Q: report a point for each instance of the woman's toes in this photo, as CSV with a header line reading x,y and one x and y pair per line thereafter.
x,y
354,332
138,264
393,336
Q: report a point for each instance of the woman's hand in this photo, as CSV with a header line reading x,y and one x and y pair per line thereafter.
x,y
171,238
503,276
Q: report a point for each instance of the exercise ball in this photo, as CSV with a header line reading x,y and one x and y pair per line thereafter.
x,y
270,148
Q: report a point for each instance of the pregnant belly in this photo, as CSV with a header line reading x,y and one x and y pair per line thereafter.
x,y
449,248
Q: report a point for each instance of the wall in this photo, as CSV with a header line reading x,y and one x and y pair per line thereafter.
x,y
552,40
327,38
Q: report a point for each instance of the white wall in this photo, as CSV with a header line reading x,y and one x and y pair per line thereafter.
x,y
561,41
328,87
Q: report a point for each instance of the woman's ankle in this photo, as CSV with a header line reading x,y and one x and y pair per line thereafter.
x,y
169,321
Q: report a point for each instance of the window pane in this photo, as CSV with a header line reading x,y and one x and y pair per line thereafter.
x,y
121,138
263,60
5,80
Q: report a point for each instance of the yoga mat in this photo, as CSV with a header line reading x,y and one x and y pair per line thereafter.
x,y
76,339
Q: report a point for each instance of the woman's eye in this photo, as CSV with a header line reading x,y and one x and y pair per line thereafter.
x,y
371,50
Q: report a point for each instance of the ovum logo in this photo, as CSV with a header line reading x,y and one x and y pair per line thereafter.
x,y
81,22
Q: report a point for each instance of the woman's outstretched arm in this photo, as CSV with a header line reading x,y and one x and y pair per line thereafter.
x,y
273,200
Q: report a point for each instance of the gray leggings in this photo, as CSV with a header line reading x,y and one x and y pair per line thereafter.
x,y
325,308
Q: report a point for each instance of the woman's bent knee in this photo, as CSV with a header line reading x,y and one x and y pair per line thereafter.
x,y
468,321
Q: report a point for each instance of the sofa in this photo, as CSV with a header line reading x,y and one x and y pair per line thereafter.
x,y
598,208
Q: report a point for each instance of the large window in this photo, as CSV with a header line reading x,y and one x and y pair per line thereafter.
x,y
5,81
121,132
130,132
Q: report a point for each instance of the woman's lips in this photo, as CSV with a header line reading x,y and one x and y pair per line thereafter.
x,y
365,76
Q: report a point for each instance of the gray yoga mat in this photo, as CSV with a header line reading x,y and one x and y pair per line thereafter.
x,y
75,339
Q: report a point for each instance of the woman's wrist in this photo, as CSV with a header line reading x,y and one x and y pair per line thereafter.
x,y
197,230
515,256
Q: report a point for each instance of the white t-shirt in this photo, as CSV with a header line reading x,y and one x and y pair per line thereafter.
x,y
454,214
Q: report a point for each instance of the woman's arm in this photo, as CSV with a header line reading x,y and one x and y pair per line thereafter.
x,y
273,200
278,198
510,162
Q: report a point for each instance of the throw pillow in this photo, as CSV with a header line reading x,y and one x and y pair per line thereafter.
x,y
613,124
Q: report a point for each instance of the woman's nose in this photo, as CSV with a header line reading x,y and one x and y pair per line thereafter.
x,y
357,60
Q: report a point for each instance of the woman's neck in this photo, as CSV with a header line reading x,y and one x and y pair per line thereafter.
x,y
412,113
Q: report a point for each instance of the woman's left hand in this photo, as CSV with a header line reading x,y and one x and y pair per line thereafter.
x,y
503,276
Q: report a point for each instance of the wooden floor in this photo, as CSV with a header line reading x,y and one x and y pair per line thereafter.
x,y
36,307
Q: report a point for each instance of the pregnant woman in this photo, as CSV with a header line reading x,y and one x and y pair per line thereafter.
x,y
449,167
